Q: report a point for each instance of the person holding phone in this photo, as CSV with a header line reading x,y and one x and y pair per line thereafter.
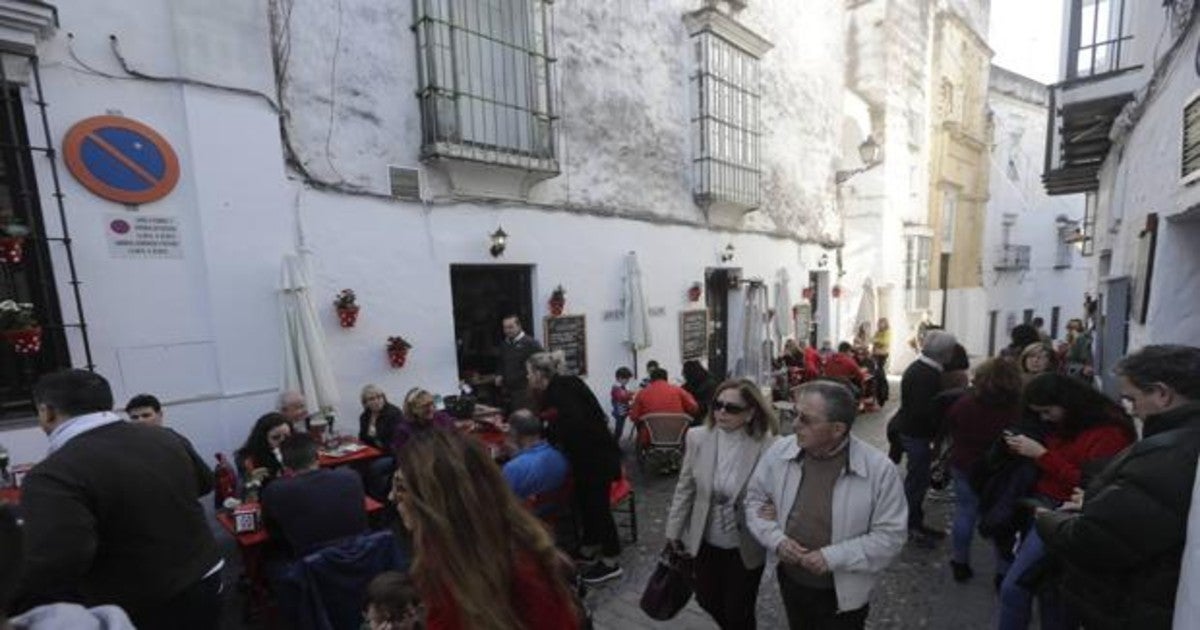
x,y
1085,428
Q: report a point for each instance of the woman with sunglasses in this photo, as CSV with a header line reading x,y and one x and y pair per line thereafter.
x,y
480,559
706,518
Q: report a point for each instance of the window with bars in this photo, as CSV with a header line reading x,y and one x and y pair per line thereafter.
x,y
1191,139
916,272
485,81
26,276
1100,37
726,122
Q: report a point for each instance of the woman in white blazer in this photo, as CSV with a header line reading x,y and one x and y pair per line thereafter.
x,y
707,518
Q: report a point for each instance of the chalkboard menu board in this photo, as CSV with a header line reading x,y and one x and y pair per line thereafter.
x,y
569,334
693,334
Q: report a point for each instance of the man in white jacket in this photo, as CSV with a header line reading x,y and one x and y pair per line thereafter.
x,y
831,507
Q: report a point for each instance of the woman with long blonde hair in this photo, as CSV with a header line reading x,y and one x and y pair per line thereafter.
x,y
481,560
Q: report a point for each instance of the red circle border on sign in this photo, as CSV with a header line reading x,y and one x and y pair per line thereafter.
x,y
73,156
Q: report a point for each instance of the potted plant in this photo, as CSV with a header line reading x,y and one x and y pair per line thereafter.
x,y
19,328
558,299
347,308
694,292
397,350
12,243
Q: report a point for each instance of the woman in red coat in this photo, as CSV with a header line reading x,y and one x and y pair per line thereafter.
x,y
1087,429
481,560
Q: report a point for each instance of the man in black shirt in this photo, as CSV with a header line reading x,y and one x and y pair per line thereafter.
x,y
515,350
112,516
314,506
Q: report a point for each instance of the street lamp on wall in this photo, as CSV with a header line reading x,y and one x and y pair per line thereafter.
x,y
871,155
727,255
499,242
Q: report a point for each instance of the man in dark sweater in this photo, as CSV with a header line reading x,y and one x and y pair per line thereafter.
x,y
313,507
112,516
1121,549
917,423
515,350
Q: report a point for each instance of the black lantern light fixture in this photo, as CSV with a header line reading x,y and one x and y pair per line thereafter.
x,y
871,155
727,255
499,242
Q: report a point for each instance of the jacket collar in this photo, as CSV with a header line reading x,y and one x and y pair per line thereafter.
x,y
79,425
1177,418
931,363
856,460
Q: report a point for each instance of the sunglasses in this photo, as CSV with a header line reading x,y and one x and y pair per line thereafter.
x,y
720,405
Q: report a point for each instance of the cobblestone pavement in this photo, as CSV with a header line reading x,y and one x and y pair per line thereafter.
x,y
916,591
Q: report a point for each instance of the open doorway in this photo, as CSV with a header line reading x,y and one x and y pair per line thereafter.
x,y
482,296
716,290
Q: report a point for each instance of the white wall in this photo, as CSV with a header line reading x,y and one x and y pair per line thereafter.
x,y
203,331
1018,107
1140,176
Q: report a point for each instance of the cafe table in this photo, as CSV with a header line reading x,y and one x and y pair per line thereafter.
x,y
348,452
252,546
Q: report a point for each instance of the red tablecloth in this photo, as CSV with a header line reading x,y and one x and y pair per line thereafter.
x,y
252,539
10,495
364,454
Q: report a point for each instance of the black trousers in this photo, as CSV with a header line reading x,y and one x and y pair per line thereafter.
x,y
595,517
196,608
816,608
725,588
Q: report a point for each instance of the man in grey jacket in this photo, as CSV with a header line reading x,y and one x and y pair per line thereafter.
x,y
831,507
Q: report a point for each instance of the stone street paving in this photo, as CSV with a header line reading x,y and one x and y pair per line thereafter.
x,y
917,591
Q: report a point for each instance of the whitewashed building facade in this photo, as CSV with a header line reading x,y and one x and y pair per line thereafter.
x,y
389,140
1032,261
1126,132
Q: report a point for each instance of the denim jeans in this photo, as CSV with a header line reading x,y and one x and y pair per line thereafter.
x,y
1016,602
618,425
916,481
966,513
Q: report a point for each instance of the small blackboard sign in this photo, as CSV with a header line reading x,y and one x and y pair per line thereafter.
x,y
569,334
693,334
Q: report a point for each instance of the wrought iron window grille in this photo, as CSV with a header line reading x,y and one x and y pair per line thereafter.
x,y
486,81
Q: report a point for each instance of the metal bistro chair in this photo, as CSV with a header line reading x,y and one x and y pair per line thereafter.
x,y
666,434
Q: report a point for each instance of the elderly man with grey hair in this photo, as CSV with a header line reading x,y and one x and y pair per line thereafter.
x,y
917,422
537,468
831,507
294,407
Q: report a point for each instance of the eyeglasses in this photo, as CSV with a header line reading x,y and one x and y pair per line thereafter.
x,y
727,407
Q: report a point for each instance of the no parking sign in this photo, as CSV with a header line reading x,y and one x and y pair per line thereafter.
x,y
121,159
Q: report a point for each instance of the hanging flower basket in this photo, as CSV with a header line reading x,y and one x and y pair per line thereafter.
x,y
26,341
347,308
807,293
694,292
397,351
12,249
558,300
836,291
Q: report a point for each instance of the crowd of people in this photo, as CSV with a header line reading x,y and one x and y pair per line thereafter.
x,y
1086,519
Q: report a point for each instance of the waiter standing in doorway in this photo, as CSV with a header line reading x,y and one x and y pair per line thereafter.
x,y
515,350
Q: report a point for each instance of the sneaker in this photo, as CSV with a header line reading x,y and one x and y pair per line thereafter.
x,y
599,573
962,571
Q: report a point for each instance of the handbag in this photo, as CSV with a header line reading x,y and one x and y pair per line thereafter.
x,y
670,586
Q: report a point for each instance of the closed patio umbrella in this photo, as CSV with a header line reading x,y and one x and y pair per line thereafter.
x,y
781,323
866,307
637,321
305,362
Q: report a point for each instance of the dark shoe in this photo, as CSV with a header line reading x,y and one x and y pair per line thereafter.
x,y
935,534
921,540
962,571
599,573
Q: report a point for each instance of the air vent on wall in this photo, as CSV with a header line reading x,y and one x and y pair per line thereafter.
x,y
406,182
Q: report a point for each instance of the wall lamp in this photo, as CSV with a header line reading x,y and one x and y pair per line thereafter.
x,y
871,155
499,242
727,255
